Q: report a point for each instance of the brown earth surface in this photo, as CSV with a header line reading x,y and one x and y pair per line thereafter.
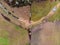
x,y
15,36
47,33
44,34
23,13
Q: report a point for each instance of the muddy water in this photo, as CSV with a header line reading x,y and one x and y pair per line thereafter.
x,y
47,33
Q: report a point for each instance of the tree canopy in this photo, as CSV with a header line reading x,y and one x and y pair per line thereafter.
x,y
19,2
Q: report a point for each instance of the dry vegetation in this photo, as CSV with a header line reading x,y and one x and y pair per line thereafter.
x,y
11,34
41,9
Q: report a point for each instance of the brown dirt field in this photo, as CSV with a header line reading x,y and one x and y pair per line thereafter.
x,y
21,12
16,36
46,34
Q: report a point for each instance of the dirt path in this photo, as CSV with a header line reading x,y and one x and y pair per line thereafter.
x,y
40,21
49,15
22,13
44,33
25,23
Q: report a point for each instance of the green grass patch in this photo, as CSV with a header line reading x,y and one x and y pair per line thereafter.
x,y
4,37
41,9
56,16
4,41
17,27
23,31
